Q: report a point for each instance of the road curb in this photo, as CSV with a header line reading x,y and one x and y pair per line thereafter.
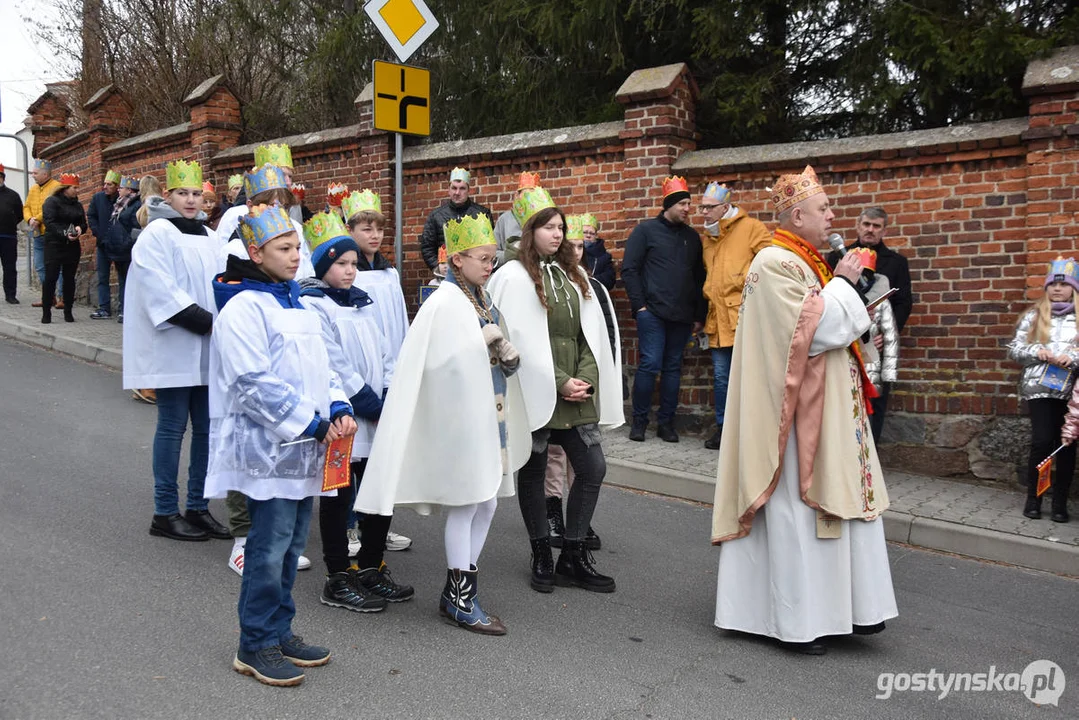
x,y
928,533
69,346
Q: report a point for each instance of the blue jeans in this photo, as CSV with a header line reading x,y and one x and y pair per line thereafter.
x,y
174,406
104,266
274,545
660,344
39,262
721,373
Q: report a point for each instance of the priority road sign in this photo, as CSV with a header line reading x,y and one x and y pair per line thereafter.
x,y
402,98
404,24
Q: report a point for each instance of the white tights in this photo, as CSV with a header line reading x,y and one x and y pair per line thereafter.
x,y
466,531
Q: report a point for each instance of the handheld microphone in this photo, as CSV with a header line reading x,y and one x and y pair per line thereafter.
x,y
835,240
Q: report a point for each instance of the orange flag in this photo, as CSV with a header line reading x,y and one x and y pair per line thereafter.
x,y
1045,468
336,472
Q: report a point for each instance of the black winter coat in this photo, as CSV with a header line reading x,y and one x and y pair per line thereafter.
x,y
433,236
599,263
10,212
99,215
663,270
119,239
59,212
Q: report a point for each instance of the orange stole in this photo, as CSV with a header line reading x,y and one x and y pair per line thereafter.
x,y
336,471
812,258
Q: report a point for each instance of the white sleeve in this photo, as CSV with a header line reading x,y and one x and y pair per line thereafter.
x,y
264,396
844,319
350,380
156,273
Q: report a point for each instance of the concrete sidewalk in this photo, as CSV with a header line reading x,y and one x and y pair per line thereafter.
x,y
930,512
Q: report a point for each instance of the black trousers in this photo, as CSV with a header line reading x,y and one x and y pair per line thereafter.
x,y
9,257
880,407
333,528
1046,420
52,272
589,465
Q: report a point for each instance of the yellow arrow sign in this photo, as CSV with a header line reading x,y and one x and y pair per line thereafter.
x,y
402,98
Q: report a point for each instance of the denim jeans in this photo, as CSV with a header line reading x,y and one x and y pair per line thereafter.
x,y
660,344
274,545
39,262
721,374
174,406
104,294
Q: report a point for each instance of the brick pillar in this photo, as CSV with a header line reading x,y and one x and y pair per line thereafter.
x,y
660,125
376,164
49,116
1052,85
216,123
109,116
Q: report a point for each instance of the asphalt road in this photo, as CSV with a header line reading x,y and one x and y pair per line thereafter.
x,y
100,620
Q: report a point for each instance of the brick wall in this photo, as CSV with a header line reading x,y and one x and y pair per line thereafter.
x,y
978,210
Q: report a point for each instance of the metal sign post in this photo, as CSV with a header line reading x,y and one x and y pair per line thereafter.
x,y
398,204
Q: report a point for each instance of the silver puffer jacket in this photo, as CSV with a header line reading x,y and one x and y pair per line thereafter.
x,y
882,366
1062,341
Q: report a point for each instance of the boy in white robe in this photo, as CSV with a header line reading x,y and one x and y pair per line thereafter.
x,y
274,401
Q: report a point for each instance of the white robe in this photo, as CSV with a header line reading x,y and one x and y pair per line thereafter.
x,y
269,374
514,295
169,272
437,442
781,580
384,287
360,354
237,247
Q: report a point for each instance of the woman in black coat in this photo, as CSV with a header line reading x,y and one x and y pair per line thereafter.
x,y
65,221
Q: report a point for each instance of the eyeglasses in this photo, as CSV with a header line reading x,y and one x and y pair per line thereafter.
x,y
707,208
482,259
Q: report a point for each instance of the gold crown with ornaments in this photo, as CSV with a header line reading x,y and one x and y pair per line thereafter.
x,y
359,201
469,232
182,174
273,154
530,202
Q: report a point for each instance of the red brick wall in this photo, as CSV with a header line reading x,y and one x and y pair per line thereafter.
x,y
978,219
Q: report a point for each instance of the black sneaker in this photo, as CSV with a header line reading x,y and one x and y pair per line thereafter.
x,y
713,442
100,314
340,591
378,581
268,666
301,654
666,433
636,433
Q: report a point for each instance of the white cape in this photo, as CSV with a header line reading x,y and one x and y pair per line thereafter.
x,y
437,441
514,295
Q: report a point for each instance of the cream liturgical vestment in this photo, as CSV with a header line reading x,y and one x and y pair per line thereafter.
x,y
797,465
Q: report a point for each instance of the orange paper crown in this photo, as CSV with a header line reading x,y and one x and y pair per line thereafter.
x,y
336,193
790,190
207,186
674,184
441,253
299,191
528,180
71,179
868,257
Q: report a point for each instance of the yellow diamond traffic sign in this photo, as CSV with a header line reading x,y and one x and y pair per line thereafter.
x,y
404,24
402,98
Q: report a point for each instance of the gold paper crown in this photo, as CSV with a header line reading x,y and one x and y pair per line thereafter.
x,y
181,174
112,177
361,201
236,180
263,223
674,184
280,155
790,190
575,227
528,180
322,228
469,232
530,202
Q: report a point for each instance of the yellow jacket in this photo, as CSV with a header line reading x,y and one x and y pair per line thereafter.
x,y
35,200
726,260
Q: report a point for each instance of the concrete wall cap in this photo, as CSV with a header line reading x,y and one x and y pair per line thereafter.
x,y
1057,73
653,83
510,144
367,94
205,89
99,97
168,133
295,142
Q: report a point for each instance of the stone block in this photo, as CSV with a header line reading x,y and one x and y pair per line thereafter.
x,y
956,432
904,428
993,470
1006,439
922,460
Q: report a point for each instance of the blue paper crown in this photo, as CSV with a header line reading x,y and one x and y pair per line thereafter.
x,y
720,193
40,164
267,177
131,183
264,223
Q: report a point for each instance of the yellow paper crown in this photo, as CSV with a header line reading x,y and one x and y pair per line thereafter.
x,y
361,201
574,227
790,190
469,232
530,202
181,174
322,228
590,220
236,180
263,223
112,177
280,155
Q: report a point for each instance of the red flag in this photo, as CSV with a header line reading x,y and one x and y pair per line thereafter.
x,y
336,473
1045,468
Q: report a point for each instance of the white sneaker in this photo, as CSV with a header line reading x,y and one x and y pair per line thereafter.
x,y
236,559
303,563
353,542
395,542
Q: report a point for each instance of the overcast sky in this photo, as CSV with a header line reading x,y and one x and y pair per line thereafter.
x,y
25,67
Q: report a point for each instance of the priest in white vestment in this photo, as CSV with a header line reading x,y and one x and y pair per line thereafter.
x,y
799,491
